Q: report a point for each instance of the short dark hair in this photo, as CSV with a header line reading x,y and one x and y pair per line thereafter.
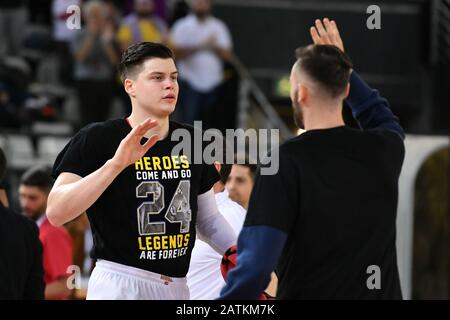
x,y
137,54
2,165
251,167
326,64
39,176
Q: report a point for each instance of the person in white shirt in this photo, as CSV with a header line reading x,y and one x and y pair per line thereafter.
x,y
201,44
240,183
204,278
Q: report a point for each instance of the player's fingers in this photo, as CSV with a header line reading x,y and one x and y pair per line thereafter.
x,y
332,31
334,27
147,125
142,128
327,27
315,36
336,35
322,32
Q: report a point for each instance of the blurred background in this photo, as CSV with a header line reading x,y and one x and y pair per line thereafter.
x,y
57,75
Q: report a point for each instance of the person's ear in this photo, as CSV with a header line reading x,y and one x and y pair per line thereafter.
x,y
130,88
347,91
303,94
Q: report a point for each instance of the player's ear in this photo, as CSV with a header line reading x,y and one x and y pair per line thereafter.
x,y
129,87
347,90
303,94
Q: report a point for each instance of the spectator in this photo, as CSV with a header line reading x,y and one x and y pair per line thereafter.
x,y
21,273
142,26
95,53
35,186
201,44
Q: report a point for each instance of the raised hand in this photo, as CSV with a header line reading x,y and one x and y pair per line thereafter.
x,y
326,33
130,149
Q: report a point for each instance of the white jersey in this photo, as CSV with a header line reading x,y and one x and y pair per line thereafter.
x,y
204,278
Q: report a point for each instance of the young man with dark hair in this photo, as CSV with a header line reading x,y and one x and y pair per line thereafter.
x,y
240,182
35,185
21,273
327,218
145,204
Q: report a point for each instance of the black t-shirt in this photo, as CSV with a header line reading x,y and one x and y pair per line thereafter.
x,y
335,196
146,218
21,270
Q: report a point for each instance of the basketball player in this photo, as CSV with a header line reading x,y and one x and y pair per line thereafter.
x,y
328,215
144,204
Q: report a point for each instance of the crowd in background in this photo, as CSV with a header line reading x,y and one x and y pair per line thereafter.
x,y
54,69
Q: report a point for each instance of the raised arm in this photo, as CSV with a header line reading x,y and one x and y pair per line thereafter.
x,y
72,195
370,109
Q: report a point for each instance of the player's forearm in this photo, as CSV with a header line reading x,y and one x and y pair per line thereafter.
x,y
212,227
68,201
217,232
369,108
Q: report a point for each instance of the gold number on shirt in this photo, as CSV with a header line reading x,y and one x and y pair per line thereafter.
x,y
179,210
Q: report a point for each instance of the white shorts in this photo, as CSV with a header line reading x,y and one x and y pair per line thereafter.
x,y
114,281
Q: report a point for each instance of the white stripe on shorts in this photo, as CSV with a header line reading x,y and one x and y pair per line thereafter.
x,y
114,281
